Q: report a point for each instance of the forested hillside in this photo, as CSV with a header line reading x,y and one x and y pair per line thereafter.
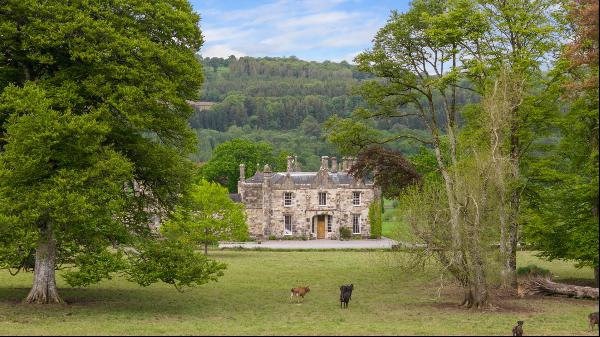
x,y
283,101
275,93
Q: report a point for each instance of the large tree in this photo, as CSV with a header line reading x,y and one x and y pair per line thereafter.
x,y
223,167
563,216
94,125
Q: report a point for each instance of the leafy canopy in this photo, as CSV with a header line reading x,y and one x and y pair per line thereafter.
x,y
94,135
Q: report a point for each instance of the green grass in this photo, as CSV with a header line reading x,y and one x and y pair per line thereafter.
x,y
253,298
393,227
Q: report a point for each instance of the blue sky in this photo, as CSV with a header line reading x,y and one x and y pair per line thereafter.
x,y
316,30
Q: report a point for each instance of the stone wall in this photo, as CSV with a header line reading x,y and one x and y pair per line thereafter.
x,y
304,208
263,196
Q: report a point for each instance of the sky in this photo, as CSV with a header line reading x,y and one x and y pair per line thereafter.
x,y
315,30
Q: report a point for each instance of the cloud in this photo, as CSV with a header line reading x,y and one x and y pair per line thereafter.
x,y
221,50
309,29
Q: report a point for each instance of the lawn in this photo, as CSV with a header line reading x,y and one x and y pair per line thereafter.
x,y
253,298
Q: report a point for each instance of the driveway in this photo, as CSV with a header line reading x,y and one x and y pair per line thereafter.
x,y
383,243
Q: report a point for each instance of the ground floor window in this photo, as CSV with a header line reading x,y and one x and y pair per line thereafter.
x,y
355,223
329,223
288,224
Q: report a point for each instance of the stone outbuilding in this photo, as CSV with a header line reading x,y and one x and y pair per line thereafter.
x,y
307,204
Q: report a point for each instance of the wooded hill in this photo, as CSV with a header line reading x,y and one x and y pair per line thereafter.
x,y
284,101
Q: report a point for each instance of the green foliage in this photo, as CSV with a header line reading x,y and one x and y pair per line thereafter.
x,y
533,271
93,112
173,262
375,218
94,267
223,167
562,214
345,233
207,216
350,135
275,93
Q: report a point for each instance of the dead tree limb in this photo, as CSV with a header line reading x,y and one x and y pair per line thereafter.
x,y
544,286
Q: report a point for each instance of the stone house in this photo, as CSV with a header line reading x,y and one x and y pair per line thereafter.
x,y
307,204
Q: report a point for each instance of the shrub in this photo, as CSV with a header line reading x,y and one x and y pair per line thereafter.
x,y
533,270
375,218
345,233
272,237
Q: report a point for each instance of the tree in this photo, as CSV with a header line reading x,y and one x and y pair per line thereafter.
x,y
420,66
310,126
518,38
95,135
209,216
375,219
424,57
563,217
223,167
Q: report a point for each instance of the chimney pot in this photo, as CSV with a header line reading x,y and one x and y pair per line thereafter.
x,y
324,163
242,172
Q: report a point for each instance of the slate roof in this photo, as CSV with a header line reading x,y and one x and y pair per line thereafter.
x,y
235,197
302,178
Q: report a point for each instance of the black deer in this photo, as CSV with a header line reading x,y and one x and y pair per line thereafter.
x,y
345,295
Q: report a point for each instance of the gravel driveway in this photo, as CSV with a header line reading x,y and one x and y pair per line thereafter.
x,y
383,243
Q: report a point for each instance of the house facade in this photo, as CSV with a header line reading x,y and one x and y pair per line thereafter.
x,y
307,204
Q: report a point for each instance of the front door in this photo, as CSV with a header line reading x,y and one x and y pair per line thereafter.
x,y
321,227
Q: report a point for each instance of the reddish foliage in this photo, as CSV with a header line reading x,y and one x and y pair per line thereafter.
x,y
583,51
389,169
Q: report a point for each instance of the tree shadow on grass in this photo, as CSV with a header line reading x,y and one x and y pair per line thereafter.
x,y
139,302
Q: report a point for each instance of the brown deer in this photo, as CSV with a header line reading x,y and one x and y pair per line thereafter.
x,y
518,330
593,317
299,292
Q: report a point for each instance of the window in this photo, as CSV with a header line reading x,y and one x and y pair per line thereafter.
x,y
355,223
287,199
288,224
356,198
329,223
322,198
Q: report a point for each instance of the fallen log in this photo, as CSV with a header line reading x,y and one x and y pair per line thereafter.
x,y
545,286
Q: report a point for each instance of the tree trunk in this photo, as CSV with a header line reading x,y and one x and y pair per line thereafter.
x,y
206,241
44,289
543,286
510,263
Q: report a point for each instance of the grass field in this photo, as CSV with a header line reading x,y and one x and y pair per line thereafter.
x,y
253,298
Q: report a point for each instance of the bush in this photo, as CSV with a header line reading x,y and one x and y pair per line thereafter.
x,y
533,270
272,237
345,233
375,218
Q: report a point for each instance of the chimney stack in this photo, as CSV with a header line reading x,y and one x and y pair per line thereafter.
x,y
324,163
334,165
267,169
242,172
290,164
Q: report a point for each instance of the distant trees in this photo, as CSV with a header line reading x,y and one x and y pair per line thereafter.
x,y
223,167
